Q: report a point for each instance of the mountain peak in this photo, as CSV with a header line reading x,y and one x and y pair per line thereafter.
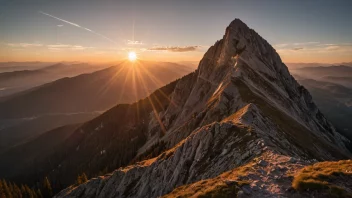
x,y
240,103
237,23
241,44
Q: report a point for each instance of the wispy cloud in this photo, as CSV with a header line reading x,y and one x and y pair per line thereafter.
x,y
175,48
25,44
59,47
321,48
327,44
313,47
307,43
130,42
283,45
60,25
79,26
332,47
297,48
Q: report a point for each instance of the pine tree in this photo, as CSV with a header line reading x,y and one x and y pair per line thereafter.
x,y
9,184
2,192
47,190
84,178
6,188
17,191
28,191
39,193
23,190
34,193
79,180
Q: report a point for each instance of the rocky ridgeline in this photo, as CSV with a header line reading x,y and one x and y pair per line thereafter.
x,y
241,103
269,175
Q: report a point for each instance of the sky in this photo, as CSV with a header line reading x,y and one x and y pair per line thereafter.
x,y
168,30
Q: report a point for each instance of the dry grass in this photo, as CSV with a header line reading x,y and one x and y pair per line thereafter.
x,y
329,177
214,187
208,189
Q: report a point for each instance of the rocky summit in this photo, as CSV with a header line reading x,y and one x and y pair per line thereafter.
x,y
240,125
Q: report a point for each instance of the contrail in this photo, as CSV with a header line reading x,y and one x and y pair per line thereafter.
x,y
76,25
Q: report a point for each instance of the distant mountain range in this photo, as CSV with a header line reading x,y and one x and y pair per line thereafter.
x,y
17,66
335,101
100,90
331,88
341,71
342,80
76,99
18,131
15,81
302,65
335,74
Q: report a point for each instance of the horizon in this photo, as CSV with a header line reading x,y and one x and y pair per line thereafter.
x,y
310,32
290,65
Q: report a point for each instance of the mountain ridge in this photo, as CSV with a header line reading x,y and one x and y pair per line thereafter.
x,y
240,103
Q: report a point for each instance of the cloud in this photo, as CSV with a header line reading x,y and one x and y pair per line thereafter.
x,y
60,25
307,43
283,45
76,25
24,44
318,49
59,47
332,47
313,47
129,42
327,44
297,48
175,48
56,47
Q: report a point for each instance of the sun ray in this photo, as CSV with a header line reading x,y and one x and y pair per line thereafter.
x,y
105,88
124,84
142,78
153,106
146,74
159,84
139,75
107,85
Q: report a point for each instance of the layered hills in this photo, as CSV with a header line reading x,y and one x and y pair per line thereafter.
x,y
97,91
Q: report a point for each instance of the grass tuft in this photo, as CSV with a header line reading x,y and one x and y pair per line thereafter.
x,y
327,177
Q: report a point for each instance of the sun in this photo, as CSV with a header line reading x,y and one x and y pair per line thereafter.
x,y
132,56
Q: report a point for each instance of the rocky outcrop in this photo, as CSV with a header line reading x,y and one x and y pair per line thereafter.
x,y
266,176
275,175
240,103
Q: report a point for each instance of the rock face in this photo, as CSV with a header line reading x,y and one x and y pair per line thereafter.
x,y
241,102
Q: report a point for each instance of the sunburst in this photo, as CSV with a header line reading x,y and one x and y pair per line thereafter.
x,y
132,56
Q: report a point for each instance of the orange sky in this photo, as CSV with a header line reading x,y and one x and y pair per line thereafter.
x,y
335,54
